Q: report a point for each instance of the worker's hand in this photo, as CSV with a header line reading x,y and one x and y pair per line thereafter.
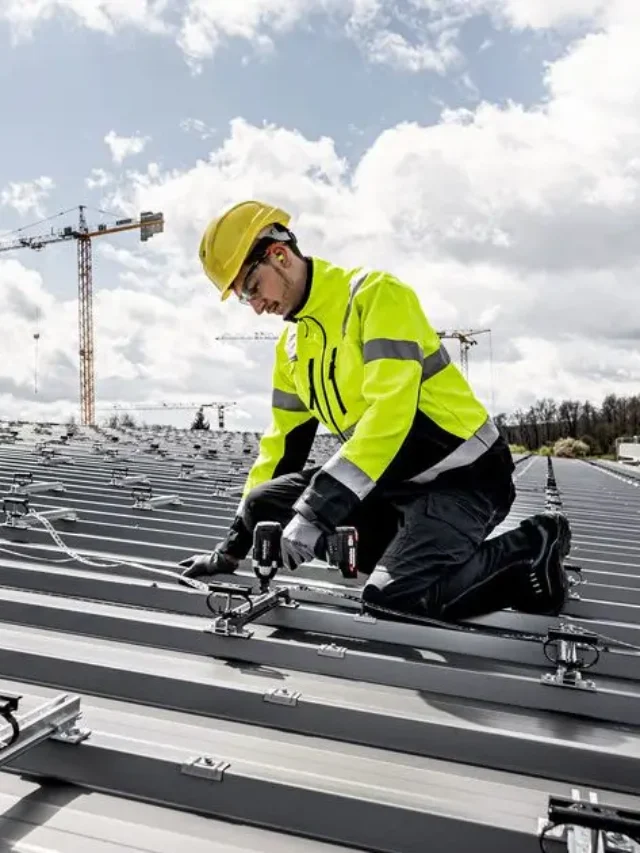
x,y
203,566
299,542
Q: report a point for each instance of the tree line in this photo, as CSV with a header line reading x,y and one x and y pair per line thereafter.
x,y
541,425
126,420
548,421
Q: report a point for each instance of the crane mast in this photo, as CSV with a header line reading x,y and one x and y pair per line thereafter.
x,y
85,324
148,224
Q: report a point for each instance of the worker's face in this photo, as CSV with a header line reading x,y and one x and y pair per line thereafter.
x,y
267,286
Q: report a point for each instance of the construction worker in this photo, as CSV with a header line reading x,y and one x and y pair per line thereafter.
x,y
422,471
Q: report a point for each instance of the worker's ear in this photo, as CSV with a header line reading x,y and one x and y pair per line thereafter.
x,y
279,254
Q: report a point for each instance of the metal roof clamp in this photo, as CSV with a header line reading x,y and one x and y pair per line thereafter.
x,y
205,767
220,487
267,559
18,514
576,579
54,720
20,480
23,484
588,827
188,471
50,456
143,498
121,478
567,641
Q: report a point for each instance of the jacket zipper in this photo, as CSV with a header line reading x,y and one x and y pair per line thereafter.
x,y
322,382
332,379
313,396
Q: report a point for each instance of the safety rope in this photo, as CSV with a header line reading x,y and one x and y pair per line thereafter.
x,y
465,627
461,627
410,618
75,555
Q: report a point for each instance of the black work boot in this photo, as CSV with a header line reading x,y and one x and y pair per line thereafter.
x,y
544,583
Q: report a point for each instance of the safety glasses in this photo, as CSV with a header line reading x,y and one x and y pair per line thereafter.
x,y
251,284
257,256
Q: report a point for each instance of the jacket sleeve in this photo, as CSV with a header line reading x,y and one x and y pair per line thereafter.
x,y
394,333
285,446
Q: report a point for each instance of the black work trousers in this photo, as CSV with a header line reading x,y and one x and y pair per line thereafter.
x,y
425,553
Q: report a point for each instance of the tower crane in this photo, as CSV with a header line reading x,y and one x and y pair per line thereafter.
x,y
148,224
254,336
168,407
466,338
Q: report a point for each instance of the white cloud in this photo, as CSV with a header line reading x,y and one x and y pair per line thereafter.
x,y
29,309
122,147
388,48
544,14
524,220
378,27
196,125
142,341
98,179
374,25
27,197
130,260
107,16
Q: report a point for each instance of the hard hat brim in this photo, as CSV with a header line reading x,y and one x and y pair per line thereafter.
x,y
228,240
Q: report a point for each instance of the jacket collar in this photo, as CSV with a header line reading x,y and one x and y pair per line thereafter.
x,y
316,297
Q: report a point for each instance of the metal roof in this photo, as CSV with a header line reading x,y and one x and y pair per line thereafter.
x,y
323,730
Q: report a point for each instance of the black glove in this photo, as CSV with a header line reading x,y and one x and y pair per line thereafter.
x,y
203,566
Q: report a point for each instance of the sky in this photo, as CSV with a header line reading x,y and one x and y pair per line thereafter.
x,y
487,152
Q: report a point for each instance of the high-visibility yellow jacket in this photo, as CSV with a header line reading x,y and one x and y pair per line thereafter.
x,y
361,357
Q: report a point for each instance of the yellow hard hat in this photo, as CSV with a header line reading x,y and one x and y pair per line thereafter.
x,y
228,239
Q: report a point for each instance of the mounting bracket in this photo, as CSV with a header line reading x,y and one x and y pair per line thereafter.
x,y
188,471
143,498
17,514
581,826
205,767
232,621
120,477
576,579
568,640
23,484
54,720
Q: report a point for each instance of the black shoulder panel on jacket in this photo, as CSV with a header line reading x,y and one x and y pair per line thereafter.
x,y
297,446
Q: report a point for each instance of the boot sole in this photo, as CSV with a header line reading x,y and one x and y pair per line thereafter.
x,y
555,575
565,537
553,581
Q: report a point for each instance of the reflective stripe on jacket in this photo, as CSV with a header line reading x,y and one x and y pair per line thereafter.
x,y
362,359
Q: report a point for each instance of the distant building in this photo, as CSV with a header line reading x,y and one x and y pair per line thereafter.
x,y
628,449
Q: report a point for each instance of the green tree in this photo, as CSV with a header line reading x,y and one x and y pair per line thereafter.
x,y
199,422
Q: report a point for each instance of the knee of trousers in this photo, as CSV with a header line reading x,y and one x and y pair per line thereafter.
x,y
372,595
255,506
375,589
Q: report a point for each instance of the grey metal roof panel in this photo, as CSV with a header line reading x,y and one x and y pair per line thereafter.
x,y
63,818
427,695
342,781
416,722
